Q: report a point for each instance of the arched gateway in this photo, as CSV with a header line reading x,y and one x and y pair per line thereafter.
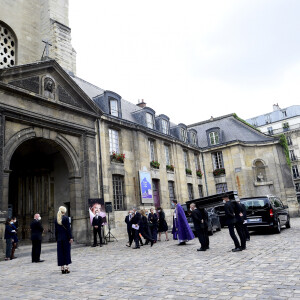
x,y
42,173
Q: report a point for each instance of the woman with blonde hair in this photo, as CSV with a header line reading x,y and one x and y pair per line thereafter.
x,y
64,240
144,228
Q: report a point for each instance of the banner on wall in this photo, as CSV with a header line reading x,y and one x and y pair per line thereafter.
x,y
146,187
96,205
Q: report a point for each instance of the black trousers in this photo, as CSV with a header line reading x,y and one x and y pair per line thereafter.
x,y
129,232
36,250
134,236
246,231
241,232
233,236
99,232
202,234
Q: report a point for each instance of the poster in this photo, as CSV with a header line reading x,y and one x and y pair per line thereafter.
x,y
96,205
146,187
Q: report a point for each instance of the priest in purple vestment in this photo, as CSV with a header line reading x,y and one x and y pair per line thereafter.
x,y
181,230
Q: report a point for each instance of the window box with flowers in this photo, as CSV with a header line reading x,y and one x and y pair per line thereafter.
x,y
285,126
188,171
219,172
154,164
170,168
199,173
117,157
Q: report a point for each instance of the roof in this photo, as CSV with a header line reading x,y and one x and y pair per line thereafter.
x,y
231,130
275,116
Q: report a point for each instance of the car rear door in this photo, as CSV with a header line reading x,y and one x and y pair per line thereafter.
x,y
281,211
258,211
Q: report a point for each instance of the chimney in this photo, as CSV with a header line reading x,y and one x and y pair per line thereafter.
x,y
276,107
141,103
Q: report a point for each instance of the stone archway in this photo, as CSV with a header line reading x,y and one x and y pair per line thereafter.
x,y
42,173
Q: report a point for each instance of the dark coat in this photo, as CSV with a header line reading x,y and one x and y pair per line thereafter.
x,y
229,213
97,222
36,230
127,221
237,210
244,211
136,219
152,218
144,224
63,235
8,232
162,224
198,216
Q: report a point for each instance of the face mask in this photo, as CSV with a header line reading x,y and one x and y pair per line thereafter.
x,y
39,218
173,205
159,211
224,201
11,222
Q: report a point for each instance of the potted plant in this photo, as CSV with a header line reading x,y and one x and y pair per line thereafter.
x,y
188,171
154,164
218,172
285,126
117,157
199,173
170,168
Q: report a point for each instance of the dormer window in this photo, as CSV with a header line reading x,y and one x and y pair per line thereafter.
x,y
268,119
214,138
194,138
165,126
114,111
183,134
284,113
150,121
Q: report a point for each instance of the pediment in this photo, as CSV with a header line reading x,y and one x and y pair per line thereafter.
x,y
48,80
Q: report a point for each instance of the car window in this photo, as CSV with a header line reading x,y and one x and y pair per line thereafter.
x,y
277,203
255,203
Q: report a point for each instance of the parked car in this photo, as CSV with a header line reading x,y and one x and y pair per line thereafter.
x,y
220,211
266,212
213,220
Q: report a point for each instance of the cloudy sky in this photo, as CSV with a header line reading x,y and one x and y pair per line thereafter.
x,y
191,59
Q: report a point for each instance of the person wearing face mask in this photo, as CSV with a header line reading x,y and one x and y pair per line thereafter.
x,y
36,238
97,228
9,237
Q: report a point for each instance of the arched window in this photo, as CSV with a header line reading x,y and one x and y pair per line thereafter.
x,y
260,171
7,46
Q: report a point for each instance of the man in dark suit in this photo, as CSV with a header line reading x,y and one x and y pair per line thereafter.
x,y
239,223
127,221
36,238
136,221
200,220
230,220
244,211
97,229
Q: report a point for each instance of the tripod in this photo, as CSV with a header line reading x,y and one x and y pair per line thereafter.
x,y
109,234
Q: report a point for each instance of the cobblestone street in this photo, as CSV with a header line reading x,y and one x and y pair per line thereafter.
x,y
268,269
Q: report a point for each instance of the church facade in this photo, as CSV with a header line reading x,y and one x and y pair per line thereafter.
x,y
64,140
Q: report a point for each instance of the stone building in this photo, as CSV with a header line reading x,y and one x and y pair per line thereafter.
x,y
284,121
62,139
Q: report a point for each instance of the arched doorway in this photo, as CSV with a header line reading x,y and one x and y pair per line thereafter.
x,y
38,182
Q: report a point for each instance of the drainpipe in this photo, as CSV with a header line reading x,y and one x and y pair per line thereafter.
x,y
205,180
100,158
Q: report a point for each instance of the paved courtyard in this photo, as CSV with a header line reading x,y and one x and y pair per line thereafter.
x,y
268,269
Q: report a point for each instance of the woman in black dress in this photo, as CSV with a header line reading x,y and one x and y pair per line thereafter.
x,y
152,218
64,240
162,224
144,228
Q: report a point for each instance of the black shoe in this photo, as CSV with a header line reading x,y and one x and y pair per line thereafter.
x,y
182,243
94,245
236,249
136,248
248,240
100,245
63,271
243,248
201,249
152,242
41,260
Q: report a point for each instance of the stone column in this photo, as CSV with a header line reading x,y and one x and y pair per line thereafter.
x,y
3,205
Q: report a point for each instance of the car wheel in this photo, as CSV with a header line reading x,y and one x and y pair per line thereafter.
x,y
278,227
288,223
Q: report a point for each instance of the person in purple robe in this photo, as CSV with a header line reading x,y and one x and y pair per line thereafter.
x,y
181,230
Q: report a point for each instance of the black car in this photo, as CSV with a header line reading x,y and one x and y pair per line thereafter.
x,y
220,211
266,212
213,220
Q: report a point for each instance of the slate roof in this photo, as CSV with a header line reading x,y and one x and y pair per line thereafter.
x,y
276,116
231,129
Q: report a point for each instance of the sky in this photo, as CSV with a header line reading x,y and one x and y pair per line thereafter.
x,y
191,59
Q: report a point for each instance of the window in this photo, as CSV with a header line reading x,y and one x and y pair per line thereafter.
x,y
297,185
152,151
183,134
221,188
292,155
167,153
214,138
268,119
218,160
7,47
186,161
114,111
113,141
165,126
194,138
190,191
284,113
200,189
270,130
197,164
295,171
118,192
150,123
289,140
171,191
